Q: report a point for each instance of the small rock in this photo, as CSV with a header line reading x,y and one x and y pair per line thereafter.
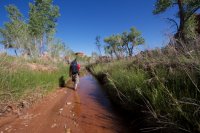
x,y
60,111
65,126
69,103
54,125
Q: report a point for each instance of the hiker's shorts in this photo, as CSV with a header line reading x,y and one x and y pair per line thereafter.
x,y
75,78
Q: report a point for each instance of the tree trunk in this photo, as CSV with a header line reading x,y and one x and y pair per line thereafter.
x,y
35,52
116,54
16,52
130,51
18,43
99,50
35,42
41,46
180,33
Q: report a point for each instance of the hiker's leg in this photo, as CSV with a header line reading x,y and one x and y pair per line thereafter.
x,y
75,86
77,78
76,81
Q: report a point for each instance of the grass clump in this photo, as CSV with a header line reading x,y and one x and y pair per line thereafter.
x,y
18,77
164,84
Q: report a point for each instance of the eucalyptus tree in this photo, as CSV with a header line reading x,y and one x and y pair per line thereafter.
x,y
134,39
114,44
55,48
42,24
108,50
123,44
15,32
186,10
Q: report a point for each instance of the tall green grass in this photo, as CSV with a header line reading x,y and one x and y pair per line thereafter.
x,y
16,78
165,83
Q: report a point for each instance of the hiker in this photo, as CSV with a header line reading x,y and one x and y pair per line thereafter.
x,y
74,72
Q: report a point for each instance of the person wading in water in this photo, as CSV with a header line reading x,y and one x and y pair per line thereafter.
x,y
74,72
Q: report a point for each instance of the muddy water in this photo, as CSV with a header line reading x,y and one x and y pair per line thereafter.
x,y
94,109
86,110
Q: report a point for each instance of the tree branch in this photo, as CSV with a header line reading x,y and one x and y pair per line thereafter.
x,y
172,20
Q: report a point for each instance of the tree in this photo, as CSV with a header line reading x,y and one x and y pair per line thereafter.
x,y
55,48
119,44
186,9
134,39
43,17
31,37
113,44
108,50
98,44
94,56
15,32
125,41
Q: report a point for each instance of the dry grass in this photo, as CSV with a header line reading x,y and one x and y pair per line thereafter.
x,y
164,82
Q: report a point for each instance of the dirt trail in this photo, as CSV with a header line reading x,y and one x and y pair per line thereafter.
x,y
86,110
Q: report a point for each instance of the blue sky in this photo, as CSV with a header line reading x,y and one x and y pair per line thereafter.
x,y
82,20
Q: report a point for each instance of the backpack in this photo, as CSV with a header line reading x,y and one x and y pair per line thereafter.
x,y
78,66
74,67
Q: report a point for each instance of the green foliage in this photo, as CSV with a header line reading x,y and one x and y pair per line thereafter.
x,y
43,16
114,45
165,83
186,12
134,39
162,5
14,31
27,37
16,79
124,43
14,13
189,6
56,48
191,28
